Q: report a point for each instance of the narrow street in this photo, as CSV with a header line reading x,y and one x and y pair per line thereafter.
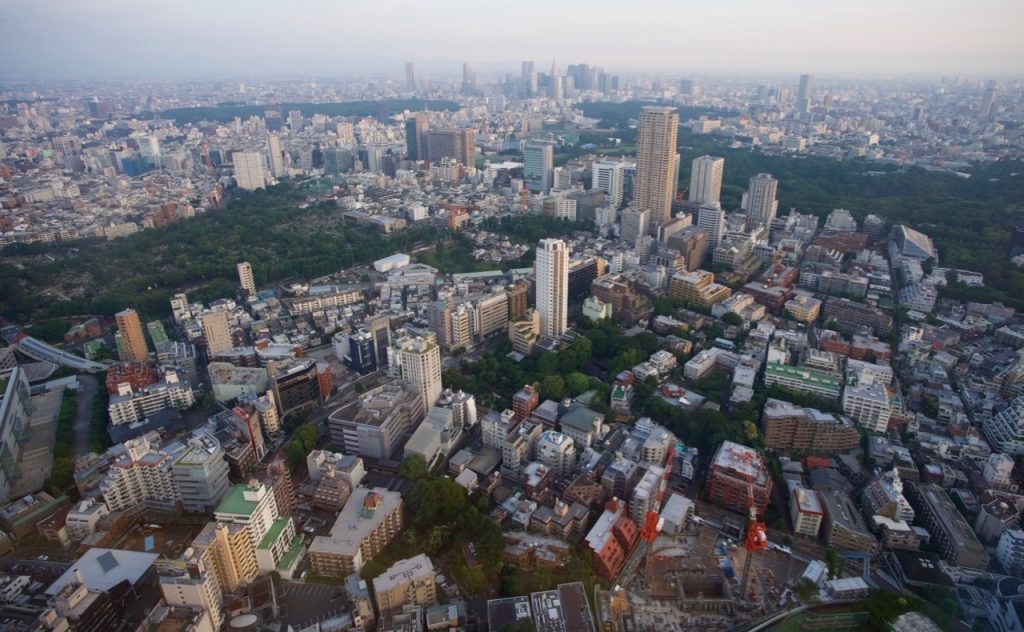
x,y
83,415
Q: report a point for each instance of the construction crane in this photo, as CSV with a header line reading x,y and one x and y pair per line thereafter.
x,y
650,528
757,538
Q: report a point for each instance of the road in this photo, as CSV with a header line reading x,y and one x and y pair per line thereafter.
x,y
80,438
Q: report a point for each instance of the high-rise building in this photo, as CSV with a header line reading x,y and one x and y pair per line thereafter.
x,y
216,332
458,144
706,179
529,78
275,155
711,218
805,93
657,162
555,82
410,76
987,101
552,281
609,176
633,224
418,360
129,326
538,167
245,278
761,203
416,136
249,170
149,152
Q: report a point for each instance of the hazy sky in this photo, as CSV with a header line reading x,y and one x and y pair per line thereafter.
x,y
109,38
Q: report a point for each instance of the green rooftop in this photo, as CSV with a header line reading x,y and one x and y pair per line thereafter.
x,y
157,332
276,528
293,553
235,502
803,374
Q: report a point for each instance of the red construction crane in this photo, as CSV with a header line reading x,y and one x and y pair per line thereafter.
x,y
757,538
650,528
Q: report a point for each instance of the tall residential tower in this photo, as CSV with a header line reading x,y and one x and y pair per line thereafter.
x,y
657,163
552,280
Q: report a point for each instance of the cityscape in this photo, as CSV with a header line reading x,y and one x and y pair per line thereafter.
x,y
591,343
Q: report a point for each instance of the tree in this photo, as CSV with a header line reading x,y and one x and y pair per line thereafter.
x,y
576,383
806,590
832,561
413,468
552,387
732,318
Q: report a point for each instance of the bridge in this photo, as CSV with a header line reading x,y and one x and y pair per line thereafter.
x,y
39,350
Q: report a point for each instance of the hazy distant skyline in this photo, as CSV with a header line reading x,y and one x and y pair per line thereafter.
x,y
112,38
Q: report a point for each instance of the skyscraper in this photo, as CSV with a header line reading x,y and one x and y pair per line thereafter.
x,y
555,83
706,179
418,359
987,101
711,218
416,136
551,275
761,203
657,163
217,332
130,327
149,152
410,76
538,167
245,278
609,176
805,93
276,157
249,170
529,78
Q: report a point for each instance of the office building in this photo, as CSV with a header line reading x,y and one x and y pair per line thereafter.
x,y
248,166
844,525
375,424
657,162
276,156
735,472
416,129
761,204
408,582
552,281
633,224
418,361
217,333
133,348
868,405
457,144
706,179
295,384
697,288
711,219
245,279
410,76
538,167
369,521
950,533
805,93
15,414
610,176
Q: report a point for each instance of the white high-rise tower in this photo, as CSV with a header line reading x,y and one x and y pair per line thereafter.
x,y
706,179
249,170
609,176
552,279
761,203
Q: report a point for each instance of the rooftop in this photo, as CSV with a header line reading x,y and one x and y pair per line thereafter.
x,y
354,524
102,569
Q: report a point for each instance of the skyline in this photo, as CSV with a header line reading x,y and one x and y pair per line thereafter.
x,y
259,38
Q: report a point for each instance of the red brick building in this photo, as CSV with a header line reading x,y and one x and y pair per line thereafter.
x,y
524,402
612,539
733,472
